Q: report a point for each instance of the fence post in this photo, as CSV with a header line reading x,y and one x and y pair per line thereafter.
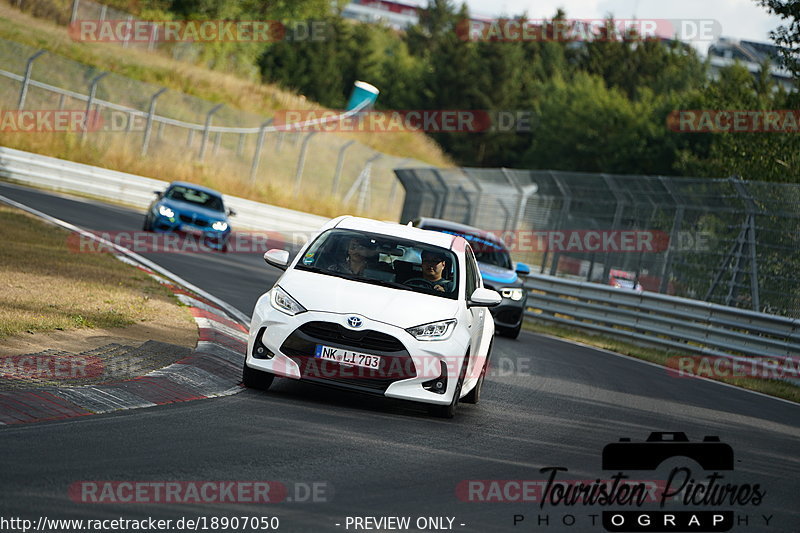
x,y
23,92
257,153
473,216
339,164
393,188
130,30
750,230
566,206
204,141
301,162
153,36
89,101
362,183
74,14
240,145
150,112
217,141
619,208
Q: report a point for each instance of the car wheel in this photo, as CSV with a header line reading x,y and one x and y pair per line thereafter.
x,y
449,411
147,226
256,379
474,396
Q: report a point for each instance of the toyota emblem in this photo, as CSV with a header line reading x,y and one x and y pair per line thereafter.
x,y
354,322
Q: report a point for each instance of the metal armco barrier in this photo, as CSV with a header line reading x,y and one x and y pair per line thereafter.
x,y
67,176
688,327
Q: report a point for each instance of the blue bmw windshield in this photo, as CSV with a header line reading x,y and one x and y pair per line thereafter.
x,y
193,196
486,251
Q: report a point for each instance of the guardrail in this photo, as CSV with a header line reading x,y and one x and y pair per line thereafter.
x,y
677,324
137,191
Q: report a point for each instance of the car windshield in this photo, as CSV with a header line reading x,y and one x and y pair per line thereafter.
x,y
383,260
486,251
193,196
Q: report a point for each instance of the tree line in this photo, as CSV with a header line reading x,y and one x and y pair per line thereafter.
x,y
606,105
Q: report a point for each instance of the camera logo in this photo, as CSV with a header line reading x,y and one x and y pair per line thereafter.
x,y
711,454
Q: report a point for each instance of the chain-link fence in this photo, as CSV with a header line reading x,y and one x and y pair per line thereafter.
x,y
727,241
149,121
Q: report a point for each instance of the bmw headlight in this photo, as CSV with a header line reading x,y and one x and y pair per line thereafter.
x,y
219,225
165,211
512,293
284,303
434,331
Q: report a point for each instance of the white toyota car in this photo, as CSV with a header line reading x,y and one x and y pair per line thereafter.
x,y
379,308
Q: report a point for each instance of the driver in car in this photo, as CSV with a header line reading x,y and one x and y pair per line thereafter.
x,y
432,268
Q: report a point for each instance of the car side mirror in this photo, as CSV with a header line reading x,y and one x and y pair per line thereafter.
x,y
231,212
523,269
158,193
483,297
277,258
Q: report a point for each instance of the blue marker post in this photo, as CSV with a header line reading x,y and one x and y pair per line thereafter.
x,y
362,92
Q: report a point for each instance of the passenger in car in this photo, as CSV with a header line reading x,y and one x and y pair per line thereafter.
x,y
360,255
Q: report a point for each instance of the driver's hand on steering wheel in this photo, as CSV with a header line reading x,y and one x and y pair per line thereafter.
x,y
438,288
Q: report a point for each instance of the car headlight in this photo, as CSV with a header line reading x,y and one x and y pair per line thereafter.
x,y
284,303
219,225
434,331
165,211
515,294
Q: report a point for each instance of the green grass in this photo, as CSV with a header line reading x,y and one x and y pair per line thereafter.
x,y
775,388
47,286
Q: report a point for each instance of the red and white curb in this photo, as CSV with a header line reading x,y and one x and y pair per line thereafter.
x,y
212,370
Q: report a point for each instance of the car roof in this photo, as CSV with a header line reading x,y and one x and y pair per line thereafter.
x,y
434,238
195,187
455,227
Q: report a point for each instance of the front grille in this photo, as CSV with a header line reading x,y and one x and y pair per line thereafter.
x,y
396,363
365,340
508,316
193,220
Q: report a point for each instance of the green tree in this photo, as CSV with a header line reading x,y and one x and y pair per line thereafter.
x,y
761,155
787,36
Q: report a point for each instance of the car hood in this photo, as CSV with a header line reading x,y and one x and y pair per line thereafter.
x,y
187,207
396,307
496,274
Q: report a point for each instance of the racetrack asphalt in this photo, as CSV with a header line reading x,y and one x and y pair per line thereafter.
x,y
546,403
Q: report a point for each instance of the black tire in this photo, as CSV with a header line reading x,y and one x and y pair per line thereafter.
x,y
256,379
147,226
449,411
511,333
474,396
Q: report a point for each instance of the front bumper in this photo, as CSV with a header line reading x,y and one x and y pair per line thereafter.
x,y
406,363
211,237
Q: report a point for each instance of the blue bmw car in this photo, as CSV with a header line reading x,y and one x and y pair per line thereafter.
x,y
497,271
193,210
